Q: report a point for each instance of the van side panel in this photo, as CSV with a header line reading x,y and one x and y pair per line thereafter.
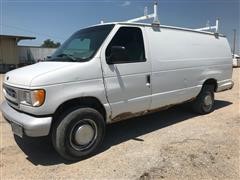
x,y
182,61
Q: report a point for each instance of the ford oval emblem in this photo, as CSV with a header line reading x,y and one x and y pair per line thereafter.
x,y
7,77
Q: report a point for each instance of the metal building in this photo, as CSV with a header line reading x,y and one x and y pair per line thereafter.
x,y
9,58
33,54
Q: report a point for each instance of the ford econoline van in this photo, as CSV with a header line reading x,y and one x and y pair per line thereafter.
x,y
110,72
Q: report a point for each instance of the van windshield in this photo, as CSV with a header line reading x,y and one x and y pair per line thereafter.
x,y
82,45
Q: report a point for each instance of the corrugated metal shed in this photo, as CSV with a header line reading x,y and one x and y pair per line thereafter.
x,y
9,52
33,54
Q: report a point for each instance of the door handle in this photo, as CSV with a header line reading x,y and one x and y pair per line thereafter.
x,y
148,80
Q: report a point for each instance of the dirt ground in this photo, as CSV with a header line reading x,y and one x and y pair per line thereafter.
x,y
172,144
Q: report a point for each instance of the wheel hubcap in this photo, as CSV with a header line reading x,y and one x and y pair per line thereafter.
x,y
84,134
208,100
207,103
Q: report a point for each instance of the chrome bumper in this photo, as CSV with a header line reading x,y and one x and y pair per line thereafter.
x,y
225,85
32,126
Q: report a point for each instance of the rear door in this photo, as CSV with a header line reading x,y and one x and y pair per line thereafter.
x,y
127,82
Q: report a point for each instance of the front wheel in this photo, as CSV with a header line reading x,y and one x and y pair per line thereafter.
x,y
78,133
204,102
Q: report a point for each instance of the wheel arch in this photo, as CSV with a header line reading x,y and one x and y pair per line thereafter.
x,y
89,101
211,81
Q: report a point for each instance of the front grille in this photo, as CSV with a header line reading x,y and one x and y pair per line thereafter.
x,y
11,95
11,92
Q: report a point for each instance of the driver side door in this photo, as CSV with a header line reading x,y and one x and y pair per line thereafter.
x,y
127,80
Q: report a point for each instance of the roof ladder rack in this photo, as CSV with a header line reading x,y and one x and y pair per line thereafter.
x,y
146,16
208,27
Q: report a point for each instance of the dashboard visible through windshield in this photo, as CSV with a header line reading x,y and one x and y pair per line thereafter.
x,y
82,45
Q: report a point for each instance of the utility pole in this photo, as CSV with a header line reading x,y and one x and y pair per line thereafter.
x,y
234,41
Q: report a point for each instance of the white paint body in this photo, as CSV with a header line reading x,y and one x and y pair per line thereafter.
x,y
178,61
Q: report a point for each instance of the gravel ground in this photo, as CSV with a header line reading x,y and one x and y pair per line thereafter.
x,y
172,144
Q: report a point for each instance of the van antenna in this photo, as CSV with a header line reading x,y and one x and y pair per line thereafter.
x,y
146,16
208,23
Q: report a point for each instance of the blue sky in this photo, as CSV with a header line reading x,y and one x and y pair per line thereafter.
x,y
58,19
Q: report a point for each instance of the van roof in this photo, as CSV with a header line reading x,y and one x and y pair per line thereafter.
x,y
162,26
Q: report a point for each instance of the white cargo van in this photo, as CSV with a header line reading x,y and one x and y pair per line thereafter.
x,y
110,72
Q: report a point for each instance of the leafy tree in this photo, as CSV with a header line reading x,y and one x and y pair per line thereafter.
x,y
48,43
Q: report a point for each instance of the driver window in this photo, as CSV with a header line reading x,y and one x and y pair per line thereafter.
x,y
132,39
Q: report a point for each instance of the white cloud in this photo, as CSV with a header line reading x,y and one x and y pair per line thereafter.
x,y
126,3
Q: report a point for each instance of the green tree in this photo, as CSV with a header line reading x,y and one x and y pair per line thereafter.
x,y
48,43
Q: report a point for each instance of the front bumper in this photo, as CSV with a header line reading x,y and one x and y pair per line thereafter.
x,y
31,126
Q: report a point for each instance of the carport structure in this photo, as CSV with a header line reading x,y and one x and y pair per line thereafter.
x,y
9,52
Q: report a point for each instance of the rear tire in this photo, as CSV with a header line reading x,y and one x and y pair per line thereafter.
x,y
204,102
78,133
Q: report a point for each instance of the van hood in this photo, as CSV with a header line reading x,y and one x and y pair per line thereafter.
x,y
50,73
25,75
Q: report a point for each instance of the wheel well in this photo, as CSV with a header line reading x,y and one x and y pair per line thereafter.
x,y
90,102
211,82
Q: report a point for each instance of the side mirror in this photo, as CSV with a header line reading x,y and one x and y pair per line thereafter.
x,y
118,55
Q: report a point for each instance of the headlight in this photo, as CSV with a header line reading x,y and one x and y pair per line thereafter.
x,y
24,97
33,98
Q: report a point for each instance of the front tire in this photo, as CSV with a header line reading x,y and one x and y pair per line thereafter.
x,y
78,133
204,102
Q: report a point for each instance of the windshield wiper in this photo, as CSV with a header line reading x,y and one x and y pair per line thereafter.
x,y
69,56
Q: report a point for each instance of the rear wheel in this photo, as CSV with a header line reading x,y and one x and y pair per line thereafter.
x,y
78,133
204,102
